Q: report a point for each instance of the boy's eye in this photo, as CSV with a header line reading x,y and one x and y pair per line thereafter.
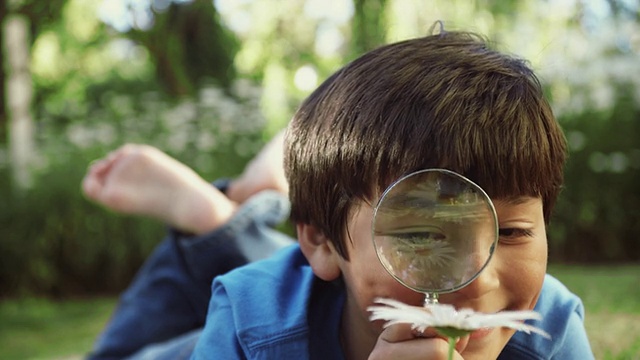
x,y
514,233
420,236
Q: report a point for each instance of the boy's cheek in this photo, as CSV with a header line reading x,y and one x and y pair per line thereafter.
x,y
522,277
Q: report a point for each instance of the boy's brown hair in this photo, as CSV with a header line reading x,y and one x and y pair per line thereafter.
x,y
442,101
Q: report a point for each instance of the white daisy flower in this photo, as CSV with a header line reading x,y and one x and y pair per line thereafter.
x,y
451,322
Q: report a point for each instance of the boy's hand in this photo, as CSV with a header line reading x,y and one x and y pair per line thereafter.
x,y
142,180
264,172
400,342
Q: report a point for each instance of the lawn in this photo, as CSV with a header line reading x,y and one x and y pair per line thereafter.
x,y
612,299
43,329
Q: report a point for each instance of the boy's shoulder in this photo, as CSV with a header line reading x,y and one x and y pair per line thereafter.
x,y
270,290
272,306
259,310
562,317
556,301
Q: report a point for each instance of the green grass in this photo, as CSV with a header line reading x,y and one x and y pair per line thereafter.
x,y
611,295
43,329
603,288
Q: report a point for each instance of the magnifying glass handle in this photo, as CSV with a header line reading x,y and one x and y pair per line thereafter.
x,y
430,299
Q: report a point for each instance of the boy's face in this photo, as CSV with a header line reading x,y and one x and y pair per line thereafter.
x,y
512,280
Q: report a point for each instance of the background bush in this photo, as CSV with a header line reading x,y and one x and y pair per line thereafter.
x,y
57,243
597,218
174,73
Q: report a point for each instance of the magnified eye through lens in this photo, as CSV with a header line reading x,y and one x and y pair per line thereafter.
x,y
434,230
429,246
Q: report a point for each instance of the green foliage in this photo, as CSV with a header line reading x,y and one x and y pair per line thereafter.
x,y
188,45
603,289
368,27
597,216
89,99
57,243
40,13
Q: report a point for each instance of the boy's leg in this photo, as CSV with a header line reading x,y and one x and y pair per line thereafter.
x,y
170,295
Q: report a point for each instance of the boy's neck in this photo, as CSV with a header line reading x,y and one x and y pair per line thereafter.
x,y
356,336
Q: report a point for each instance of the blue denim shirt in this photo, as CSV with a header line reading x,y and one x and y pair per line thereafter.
x,y
274,308
291,314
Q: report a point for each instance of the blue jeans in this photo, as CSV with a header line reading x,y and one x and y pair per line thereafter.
x,y
163,311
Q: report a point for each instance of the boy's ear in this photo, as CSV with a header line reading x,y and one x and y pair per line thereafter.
x,y
319,251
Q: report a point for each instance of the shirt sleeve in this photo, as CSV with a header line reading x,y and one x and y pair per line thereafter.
x,y
220,341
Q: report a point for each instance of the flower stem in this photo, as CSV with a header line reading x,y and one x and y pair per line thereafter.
x,y
452,346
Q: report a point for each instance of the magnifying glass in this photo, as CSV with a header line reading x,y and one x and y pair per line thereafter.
x,y
434,231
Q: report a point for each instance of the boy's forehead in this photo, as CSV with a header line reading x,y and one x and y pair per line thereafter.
x,y
524,208
515,200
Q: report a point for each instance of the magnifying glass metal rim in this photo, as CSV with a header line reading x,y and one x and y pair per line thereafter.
x,y
475,187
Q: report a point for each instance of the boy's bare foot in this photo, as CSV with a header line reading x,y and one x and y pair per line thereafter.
x,y
142,180
264,172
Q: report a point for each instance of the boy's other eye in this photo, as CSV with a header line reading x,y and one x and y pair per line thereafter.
x,y
511,234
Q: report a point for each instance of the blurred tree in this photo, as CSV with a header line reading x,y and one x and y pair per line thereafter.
x,y
3,111
19,98
368,26
80,56
188,45
598,217
39,14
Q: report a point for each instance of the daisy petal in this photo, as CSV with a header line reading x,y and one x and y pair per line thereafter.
x,y
446,316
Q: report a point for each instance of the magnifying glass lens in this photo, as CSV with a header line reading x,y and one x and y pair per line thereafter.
x,y
434,230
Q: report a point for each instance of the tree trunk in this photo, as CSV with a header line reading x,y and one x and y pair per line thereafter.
x,y
368,27
3,108
19,93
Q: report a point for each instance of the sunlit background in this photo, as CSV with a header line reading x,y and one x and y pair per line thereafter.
x,y
210,81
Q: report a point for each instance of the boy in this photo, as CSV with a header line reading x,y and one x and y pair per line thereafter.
x,y
443,101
